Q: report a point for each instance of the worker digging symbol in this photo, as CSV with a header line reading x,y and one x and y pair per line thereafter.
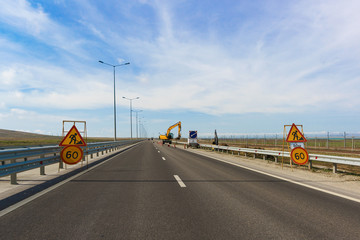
x,y
295,135
73,138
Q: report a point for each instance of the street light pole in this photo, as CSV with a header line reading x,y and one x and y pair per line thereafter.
x,y
137,122
114,66
144,130
130,99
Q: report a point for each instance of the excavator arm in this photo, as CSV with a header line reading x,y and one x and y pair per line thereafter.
x,y
173,126
169,135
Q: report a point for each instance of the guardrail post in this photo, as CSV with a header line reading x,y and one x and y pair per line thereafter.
x,y
42,168
254,155
13,177
310,164
245,155
276,159
264,157
334,168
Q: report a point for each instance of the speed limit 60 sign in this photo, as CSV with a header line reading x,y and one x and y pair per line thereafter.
x,y
299,155
71,154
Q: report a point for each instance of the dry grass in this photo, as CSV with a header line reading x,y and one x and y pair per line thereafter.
x,y
10,138
348,169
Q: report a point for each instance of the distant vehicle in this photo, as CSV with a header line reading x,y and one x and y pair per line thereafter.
x,y
168,136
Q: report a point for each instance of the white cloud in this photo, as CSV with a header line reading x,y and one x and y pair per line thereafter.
x,y
23,114
294,66
7,77
297,62
34,21
2,105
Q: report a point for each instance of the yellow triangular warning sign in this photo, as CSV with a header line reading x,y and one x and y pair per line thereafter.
x,y
295,135
73,138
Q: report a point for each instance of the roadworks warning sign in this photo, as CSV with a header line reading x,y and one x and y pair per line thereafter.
x,y
295,135
73,138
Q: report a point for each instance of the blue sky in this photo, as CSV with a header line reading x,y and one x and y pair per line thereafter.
x,y
240,67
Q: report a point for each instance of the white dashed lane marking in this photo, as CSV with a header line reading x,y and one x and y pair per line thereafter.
x,y
180,182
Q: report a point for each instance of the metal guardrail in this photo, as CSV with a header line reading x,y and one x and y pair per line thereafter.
x,y
312,157
14,161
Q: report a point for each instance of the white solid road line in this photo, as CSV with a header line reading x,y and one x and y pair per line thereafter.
x,y
180,182
163,158
33,197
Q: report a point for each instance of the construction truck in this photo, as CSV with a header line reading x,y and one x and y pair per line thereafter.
x,y
169,136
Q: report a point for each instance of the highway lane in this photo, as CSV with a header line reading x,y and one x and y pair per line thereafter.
x,y
136,196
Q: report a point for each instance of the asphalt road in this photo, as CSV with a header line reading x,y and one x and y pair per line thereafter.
x,y
136,196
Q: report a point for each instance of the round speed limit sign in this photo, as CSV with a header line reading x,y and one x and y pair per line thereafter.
x,y
299,155
71,154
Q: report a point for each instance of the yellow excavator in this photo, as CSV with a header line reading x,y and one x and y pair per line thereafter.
x,y
167,138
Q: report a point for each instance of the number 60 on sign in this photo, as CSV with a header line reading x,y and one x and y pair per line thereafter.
x,y
299,155
71,154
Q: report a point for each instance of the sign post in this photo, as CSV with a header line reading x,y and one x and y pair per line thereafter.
x,y
72,143
192,140
296,139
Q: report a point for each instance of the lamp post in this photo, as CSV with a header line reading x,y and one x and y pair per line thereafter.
x,y
142,129
137,122
114,66
130,99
